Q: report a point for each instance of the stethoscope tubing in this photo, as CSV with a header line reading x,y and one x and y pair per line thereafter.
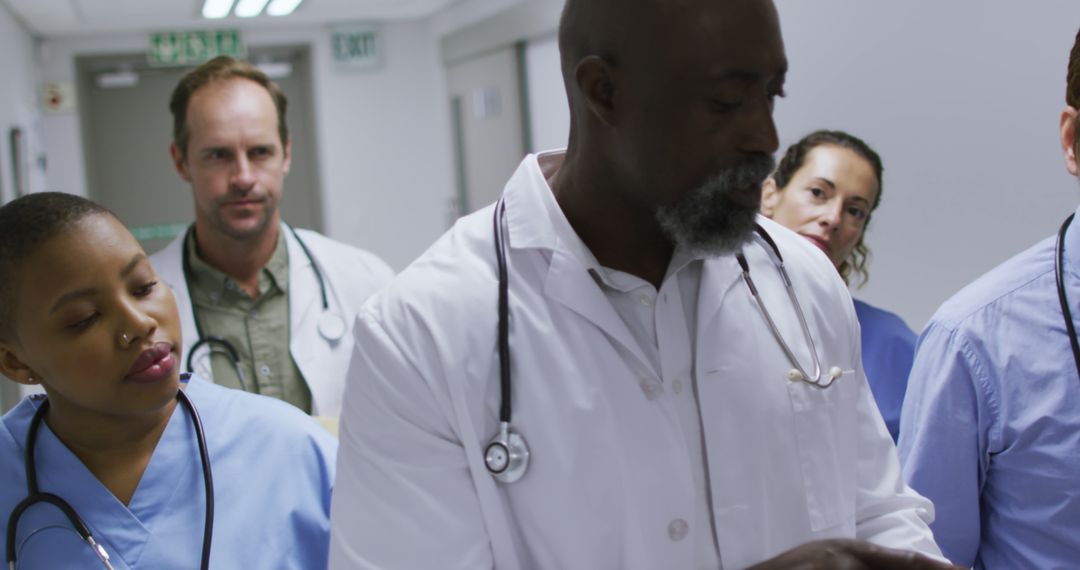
x,y
35,496
1063,298
228,347
185,265
505,411
799,373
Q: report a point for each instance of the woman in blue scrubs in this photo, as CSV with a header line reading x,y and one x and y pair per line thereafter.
x,y
825,188
83,315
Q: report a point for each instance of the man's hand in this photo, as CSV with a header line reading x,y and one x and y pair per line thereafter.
x,y
848,554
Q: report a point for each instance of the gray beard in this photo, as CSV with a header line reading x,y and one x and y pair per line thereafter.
x,y
708,221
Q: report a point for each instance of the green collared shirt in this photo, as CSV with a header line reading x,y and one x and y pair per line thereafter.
x,y
258,328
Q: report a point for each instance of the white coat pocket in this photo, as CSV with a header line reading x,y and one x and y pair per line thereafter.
x,y
825,431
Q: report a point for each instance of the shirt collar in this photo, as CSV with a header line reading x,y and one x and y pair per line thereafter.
x,y
535,219
1072,244
209,280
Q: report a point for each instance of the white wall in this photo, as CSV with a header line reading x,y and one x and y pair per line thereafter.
x,y
962,101
18,108
549,112
383,137
18,94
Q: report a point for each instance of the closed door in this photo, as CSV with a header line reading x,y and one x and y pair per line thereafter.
x,y
489,131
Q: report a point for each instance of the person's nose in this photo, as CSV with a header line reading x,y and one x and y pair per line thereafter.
x,y
760,134
830,215
243,175
136,324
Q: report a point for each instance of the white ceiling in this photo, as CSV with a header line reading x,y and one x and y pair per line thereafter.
x,y
58,18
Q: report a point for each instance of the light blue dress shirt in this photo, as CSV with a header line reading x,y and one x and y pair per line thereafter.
x,y
991,426
888,347
273,471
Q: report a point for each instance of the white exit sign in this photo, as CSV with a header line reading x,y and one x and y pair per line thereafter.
x,y
357,47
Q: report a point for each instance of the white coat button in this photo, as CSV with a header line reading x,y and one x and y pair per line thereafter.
x,y
645,300
677,529
264,370
677,386
652,390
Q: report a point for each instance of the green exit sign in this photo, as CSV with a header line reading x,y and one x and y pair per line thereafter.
x,y
356,47
193,47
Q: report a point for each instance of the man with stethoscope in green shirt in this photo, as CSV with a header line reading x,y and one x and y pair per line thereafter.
x,y
264,307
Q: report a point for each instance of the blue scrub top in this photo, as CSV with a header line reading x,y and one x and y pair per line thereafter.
x,y
991,427
888,348
273,472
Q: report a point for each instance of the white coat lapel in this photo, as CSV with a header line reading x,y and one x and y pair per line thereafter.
x,y
570,284
302,307
168,263
305,344
774,294
718,276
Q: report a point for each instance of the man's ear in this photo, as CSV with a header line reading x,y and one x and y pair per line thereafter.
x,y
13,367
288,155
770,197
598,83
1068,138
179,162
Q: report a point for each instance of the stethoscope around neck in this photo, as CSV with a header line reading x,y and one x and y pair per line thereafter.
x,y
506,455
1063,298
331,324
797,373
35,496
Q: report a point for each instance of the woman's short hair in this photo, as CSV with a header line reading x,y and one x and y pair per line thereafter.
x,y
25,224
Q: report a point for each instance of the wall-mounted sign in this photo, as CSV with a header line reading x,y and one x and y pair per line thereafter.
x,y
58,97
193,47
357,47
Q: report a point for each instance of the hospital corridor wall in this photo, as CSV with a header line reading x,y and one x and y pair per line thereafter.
x,y
18,113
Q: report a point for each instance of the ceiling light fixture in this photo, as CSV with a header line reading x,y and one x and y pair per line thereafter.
x,y
249,8
282,7
216,9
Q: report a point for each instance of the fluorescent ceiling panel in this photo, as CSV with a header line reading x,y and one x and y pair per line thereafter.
x,y
249,8
216,9
282,7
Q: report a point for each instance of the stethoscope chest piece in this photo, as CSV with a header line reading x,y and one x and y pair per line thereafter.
x,y
331,326
506,455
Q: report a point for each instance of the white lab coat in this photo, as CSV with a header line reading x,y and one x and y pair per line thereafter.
x,y
610,471
351,275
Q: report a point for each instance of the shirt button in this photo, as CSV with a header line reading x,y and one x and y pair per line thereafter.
x,y
215,296
230,285
677,386
645,300
677,529
254,314
652,390
264,370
